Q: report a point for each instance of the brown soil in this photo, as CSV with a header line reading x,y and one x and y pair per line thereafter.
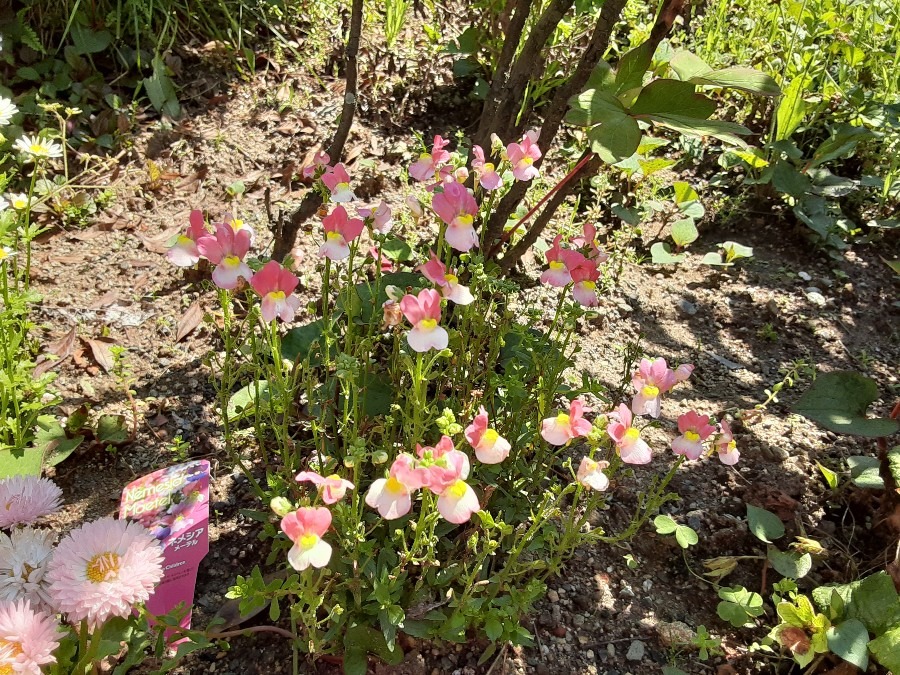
x,y
739,326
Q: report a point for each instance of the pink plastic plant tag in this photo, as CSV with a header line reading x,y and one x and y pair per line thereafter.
x,y
173,504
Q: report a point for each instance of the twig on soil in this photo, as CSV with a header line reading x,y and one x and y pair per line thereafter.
x,y
501,655
252,629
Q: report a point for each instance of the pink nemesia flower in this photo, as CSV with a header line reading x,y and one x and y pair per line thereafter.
x,y
28,638
652,379
590,474
490,447
239,225
436,272
25,499
381,217
391,495
629,444
424,313
585,276
103,569
725,445
339,231
457,208
305,527
683,372
562,261
458,502
695,428
438,466
226,250
275,285
428,163
320,159
564,427
337,180
589,240
523,155
381,260
184,252
332,488
487,174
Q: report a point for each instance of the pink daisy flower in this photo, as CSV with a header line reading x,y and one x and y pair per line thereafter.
x,y
102,569
28,638
25,499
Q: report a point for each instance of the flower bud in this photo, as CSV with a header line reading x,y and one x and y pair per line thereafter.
x,y
379,457
461,174
393,315
415,206
281,506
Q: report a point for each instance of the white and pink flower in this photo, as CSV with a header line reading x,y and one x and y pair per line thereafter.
x,y
226,250
275,286
725,445
490,447
590,474
340,230
424,313
564,427
337,180
523,155
456,206
305,527
695,428
486,172
379,217
448,283
184,253
431,163
629,444
332,488
561,263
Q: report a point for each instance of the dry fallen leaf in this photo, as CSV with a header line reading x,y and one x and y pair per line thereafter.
x,y
62,348
108,298
100,350
191,319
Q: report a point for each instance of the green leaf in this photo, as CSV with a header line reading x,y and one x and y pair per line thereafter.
x,y
603,77
615,139
786,179
661,254
872,600
686,536
674,97
684,192
593,106
632,66
739,605
112,429
849,640
362,640
161,90
843,142
396,249
791,110
886,649
51,439
893,264
838,401
739,77
865,473
684,231
298,342
87,41
735,251
25,463
665,524
831,477
493,628
727,132
790,564
244,400
687,65
764,525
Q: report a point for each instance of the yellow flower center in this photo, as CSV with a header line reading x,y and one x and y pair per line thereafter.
x,y
184,239
427,324
237,224
333,236
590,285
692,436
458,489
591,465
340,187
103,567
650,391
394,486
732,445
20,203
11,650
562,418
308,541
632,434
426,156
490,436
231,261
3,254
451,278
528,160
277,295
556,265
37,149
333,476
464,220
488,167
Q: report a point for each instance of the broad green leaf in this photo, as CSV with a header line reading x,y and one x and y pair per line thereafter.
x,y
362,640
791,110
298,342
713,258
684,231
593,106
615,139
684,192
632,66
751,157
52,441
665,524
872,600
786,179
603,77
886,649
692,209
838,401
112,429
686,536
396,249
87,41
739,605
661,254
849,640
764,525
26,463
651,166
493,628
735,251
788,564
161,90
841,143
244,401
727,132
673,97
687,65
865,473
738,77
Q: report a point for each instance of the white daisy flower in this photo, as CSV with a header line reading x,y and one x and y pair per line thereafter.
x,y
18,200
5,252
7,110
3,205
35,147
23,561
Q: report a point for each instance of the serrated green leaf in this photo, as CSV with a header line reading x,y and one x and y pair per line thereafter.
x,y
684,231
672,97
493,628
790,564
838,401
764,525
661,254
850,640
615,139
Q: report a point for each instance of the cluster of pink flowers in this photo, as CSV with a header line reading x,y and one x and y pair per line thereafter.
x,y
227,248
576,266
100,570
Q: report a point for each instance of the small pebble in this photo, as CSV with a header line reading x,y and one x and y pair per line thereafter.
x,y
635,651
